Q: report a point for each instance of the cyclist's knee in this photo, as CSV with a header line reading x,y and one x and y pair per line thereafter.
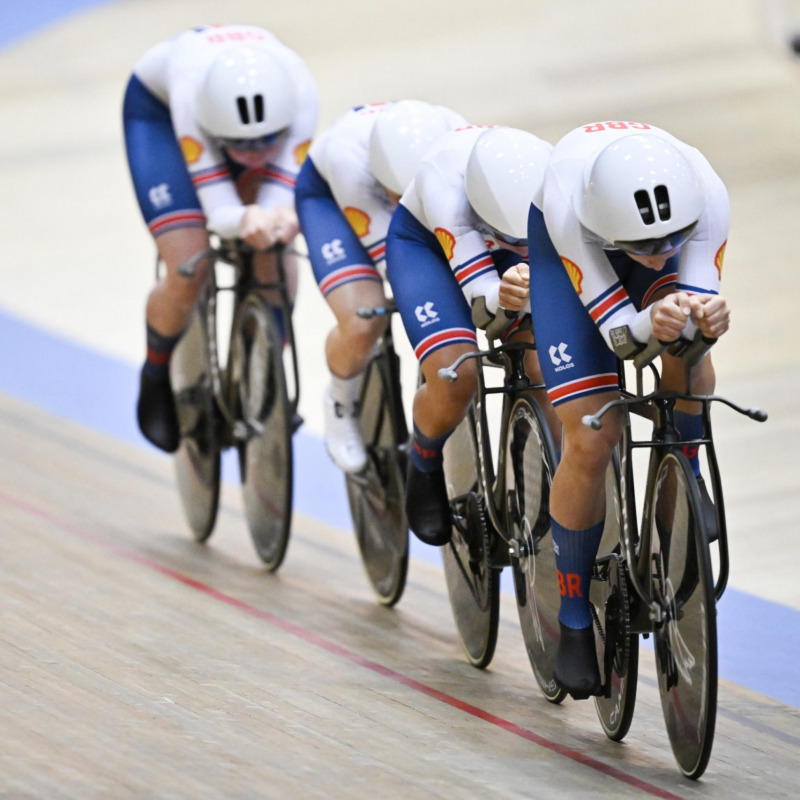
x,y
360,334
584,445
673,376
445,401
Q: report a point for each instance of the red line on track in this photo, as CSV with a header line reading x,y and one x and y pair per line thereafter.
x,y
331,647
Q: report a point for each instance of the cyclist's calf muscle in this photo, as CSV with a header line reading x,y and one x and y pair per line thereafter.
x,y
171,301
440,405
577,496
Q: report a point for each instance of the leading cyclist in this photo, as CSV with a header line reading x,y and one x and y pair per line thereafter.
x,y
457,257
346,192
639,220
217,123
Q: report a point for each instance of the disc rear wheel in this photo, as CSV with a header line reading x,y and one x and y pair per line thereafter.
x,y
197,460
258,383
617,647
530,463
473,585
377,494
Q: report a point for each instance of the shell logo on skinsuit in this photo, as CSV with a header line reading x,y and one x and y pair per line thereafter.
x,y
358,219
192,149
446,240
718,258
575,274
301,151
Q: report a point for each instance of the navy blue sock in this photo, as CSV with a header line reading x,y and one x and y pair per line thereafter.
x,y
280,321
690,426
159,350
575,555
426,453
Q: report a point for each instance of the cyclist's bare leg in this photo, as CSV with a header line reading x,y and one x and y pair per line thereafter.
x,y
350,343
440,405
577,509
673,379
348,349
171,301
689,422
266,271
438,408
577,496
169,307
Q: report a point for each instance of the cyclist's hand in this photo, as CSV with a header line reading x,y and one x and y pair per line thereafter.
x,y
711,314
515,287
261,229
669,316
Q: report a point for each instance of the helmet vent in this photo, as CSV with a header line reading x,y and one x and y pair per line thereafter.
x,y
662,202
645,207
258,100
244,111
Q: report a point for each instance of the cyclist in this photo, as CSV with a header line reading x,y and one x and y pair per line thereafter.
x,y
460,226
346,192
217,123
628,245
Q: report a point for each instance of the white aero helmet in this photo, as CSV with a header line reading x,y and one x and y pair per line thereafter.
x,y
246,94
504,173
641,194
402,135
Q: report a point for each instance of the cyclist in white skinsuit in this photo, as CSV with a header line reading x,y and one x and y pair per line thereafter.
x,y
457,258
217,123
628,245
346,193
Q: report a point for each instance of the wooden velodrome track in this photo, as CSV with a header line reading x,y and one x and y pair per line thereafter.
x,y
137,664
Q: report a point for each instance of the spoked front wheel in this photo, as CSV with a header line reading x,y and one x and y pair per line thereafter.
x,y
473,586
258,384
197,460
530,463
376,495
686,637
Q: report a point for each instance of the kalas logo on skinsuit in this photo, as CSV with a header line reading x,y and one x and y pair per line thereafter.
x,y
160,196
718,258
359,220
446,240
575,274
560,357
192,149
426,314
332,251
301,151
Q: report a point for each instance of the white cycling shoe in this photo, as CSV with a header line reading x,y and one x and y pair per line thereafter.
x,y
343,437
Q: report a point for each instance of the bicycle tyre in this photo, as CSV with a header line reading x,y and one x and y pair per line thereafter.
x,y
617,647
473,585
197,460
258,382
530,464
686,639
376,495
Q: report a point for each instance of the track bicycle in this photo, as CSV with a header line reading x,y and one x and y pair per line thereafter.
x,y
377,494
500,511
660,578
243,402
